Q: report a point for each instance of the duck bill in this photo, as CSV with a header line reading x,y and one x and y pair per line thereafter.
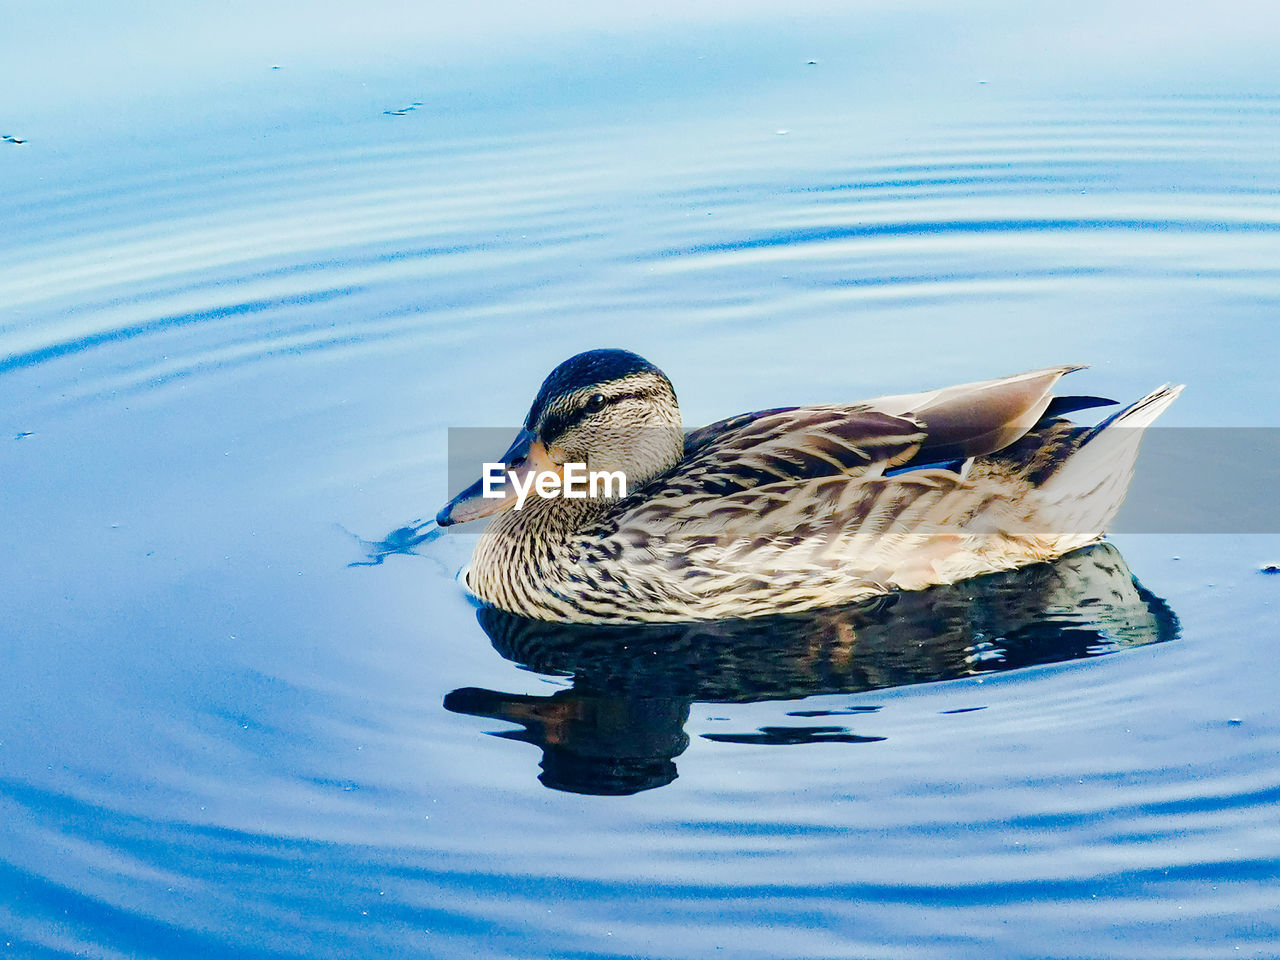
x,y
525,458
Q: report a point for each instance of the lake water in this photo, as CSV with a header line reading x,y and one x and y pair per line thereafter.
x,y
259,260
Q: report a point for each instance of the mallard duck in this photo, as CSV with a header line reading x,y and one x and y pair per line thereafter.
x,y
792,508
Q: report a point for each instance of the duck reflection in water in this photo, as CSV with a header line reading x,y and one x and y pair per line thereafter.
x,y
618,729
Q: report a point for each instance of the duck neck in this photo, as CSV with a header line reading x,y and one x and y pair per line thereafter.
x,y
527,547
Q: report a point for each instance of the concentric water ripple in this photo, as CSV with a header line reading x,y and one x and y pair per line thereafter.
x,y
314,253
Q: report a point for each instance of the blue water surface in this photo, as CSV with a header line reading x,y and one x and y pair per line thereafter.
x,y
259,259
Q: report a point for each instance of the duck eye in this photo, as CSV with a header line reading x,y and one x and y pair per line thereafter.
x,y
596,403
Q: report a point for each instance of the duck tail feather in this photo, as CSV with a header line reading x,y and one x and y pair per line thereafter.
x,y
1084,494
1061,406
1142,413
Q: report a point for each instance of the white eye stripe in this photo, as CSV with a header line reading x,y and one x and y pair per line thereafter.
x,y
556,423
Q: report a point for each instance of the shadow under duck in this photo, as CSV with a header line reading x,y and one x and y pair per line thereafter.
x,y
792,508
620,725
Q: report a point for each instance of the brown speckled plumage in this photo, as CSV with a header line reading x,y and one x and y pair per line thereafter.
x,y
796,508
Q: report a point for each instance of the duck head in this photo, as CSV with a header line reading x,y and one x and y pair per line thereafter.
x,y
610,410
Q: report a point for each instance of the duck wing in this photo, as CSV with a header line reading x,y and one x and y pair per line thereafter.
x,y
787,449
695,440
968,420
975,419
790,443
